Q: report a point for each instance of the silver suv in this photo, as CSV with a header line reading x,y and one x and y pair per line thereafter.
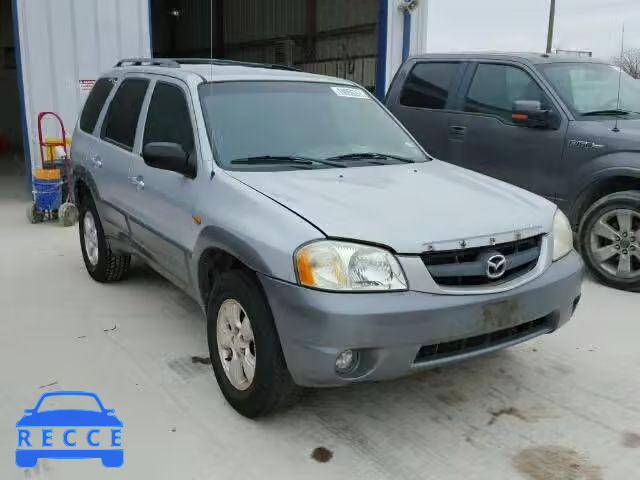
x,y
325,246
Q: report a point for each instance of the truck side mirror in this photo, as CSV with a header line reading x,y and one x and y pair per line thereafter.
x,y
529,113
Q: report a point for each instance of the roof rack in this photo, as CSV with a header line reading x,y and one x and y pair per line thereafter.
x,y
176,62
234,63
155,62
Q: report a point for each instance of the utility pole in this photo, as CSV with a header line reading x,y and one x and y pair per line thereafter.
x,y
552,19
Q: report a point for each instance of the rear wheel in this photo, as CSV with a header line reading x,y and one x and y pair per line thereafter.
x,y
610,239
101,263
245,349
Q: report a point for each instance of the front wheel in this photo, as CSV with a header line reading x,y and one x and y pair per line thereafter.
x,y
610,239
245,349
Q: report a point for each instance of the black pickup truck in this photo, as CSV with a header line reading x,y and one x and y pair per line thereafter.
x,y
565,128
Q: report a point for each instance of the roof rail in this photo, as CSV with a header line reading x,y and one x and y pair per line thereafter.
x,y
235,63
176,62
155,62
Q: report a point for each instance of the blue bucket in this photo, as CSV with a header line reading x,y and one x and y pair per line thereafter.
x,y
47,194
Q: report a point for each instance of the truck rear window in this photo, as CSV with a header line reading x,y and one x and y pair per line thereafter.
x,y
428,85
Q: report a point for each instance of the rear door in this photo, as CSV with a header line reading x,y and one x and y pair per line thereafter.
x,y
163,211
491,142
114,152
423,102
84,149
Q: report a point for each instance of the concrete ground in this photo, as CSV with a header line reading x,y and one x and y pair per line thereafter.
x,y
562,407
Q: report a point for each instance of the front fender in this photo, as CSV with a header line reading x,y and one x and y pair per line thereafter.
x,y
589,177
238,247
259,232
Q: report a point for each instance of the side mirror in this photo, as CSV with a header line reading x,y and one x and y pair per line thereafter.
x,y
529,113
109,411
167,156
28,410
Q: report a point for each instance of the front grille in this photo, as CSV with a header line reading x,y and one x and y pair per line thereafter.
x,y
437,351
467,267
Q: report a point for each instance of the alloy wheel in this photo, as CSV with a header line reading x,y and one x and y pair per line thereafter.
x,y
614,243
90,234
236,344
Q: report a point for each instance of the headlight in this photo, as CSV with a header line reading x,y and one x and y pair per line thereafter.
x,y
562,236
344,266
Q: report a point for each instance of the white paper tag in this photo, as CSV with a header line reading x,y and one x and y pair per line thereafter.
x,y
349,92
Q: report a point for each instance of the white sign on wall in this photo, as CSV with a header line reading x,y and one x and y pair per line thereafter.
x,y
86,85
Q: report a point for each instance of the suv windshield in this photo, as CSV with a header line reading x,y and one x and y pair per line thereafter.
x,y
592,88
292,125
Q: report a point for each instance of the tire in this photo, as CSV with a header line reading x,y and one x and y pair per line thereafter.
x,y
621,269
271,388
105,266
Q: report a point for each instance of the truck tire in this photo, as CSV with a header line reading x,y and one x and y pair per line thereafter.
x,y
102,264
245,350
609,237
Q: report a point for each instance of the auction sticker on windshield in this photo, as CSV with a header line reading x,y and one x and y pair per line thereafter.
x,y
349,92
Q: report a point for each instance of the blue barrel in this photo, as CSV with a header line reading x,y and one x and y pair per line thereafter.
x,y
47,194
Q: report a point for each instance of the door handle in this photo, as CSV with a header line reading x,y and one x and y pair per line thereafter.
x,y
96,161
138,182
457,131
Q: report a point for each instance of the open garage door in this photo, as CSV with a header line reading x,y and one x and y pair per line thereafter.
x,y
330,37
11,157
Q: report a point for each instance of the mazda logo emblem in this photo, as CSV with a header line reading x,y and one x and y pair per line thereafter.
x,y
496,266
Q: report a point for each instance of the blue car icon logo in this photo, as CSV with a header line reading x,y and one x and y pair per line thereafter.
x,y
89,432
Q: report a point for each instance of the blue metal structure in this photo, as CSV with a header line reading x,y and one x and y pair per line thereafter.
x,y
381,68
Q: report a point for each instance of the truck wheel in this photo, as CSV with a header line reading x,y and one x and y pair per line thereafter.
x,y
102,264
245,349
610,240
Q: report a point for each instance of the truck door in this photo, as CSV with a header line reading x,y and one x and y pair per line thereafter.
x,y
488,139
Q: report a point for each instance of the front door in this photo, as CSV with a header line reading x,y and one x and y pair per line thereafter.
x,y
164,221
490,142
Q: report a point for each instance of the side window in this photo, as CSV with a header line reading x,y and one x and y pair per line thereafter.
x,y
428,85
95,102
168,119
120,123
494,88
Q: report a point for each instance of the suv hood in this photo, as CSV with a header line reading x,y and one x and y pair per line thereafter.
x,y
407,207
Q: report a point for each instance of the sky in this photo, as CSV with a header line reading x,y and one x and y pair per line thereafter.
x,y
521,25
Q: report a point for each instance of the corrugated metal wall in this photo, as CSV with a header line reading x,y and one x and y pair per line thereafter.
x,y
276,31
185,34
65,41
257,20
333,14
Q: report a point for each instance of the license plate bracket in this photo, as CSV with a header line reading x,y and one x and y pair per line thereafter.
x,y
500,315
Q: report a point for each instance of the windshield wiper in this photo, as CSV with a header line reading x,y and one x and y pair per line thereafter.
x,y
371,156
282,159
611,111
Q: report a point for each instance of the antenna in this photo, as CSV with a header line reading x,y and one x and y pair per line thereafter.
x,y
211,34
615,128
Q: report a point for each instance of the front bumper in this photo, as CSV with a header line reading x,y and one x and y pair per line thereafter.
x,y
389,329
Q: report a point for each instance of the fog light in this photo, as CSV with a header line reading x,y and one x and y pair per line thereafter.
x,y
346,361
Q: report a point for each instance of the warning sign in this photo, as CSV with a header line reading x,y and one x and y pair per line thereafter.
x,y
86,85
